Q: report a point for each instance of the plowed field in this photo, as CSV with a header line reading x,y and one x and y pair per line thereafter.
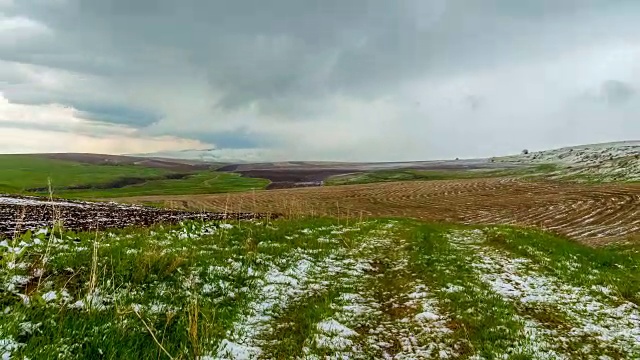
x,y
589,213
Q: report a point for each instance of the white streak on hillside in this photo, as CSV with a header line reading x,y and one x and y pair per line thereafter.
x,y
606,162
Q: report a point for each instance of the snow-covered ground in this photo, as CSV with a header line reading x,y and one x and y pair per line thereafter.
x,y
21,213
603,162
35,201
383,289
596,313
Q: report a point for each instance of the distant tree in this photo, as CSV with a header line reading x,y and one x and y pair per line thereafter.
x,y
525,152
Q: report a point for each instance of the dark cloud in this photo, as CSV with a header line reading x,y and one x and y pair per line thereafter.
x,y
256,52
191,67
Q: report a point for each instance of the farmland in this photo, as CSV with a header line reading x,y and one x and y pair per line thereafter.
x,y
92,177
431,175
22,214
427,260
595,213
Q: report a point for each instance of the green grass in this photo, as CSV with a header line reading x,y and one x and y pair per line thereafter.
x,y
205,182
18,173
616,267
29,175
429,175
485,319
316,287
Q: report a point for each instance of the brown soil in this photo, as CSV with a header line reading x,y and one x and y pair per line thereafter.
x,y
291,178
308,174
594,214
32,213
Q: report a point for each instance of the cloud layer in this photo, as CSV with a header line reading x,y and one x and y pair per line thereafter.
x,y
325,80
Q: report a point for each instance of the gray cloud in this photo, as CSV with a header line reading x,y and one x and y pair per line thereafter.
x,y
234,73
617,92
474,102
116,114
239,138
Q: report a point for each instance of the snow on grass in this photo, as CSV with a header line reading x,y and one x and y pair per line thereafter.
x,y
397,322
602,162
425,334
7,347
301,289
615,326
307,273
603,322
275,290
335,328
336,338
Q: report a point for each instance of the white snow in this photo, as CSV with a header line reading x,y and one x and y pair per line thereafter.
x,y
427,316
617,325
49,296
231,350
276,289
422,331
599,315
7,347
333,342
5,200
335,328
607,161
94,301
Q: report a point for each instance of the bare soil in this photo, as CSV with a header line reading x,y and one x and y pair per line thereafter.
x,y
308,174
292,178
594,214
19,214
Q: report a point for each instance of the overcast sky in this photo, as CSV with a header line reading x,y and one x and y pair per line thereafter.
x,y
324,80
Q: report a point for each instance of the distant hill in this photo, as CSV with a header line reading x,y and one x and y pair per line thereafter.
x,y
211,155
615,161
152,162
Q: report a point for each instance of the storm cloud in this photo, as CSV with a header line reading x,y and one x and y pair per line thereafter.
x,y
327,80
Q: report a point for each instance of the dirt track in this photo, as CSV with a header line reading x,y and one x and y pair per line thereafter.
x,y
589,213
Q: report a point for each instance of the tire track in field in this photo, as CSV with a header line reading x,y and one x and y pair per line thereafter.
x,y
594,319
589,213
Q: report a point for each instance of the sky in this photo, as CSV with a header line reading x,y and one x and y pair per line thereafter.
x,y
357,80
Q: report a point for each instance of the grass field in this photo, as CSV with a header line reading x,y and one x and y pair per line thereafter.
x,y
204,182
428,175
21,172
316,288
27,174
